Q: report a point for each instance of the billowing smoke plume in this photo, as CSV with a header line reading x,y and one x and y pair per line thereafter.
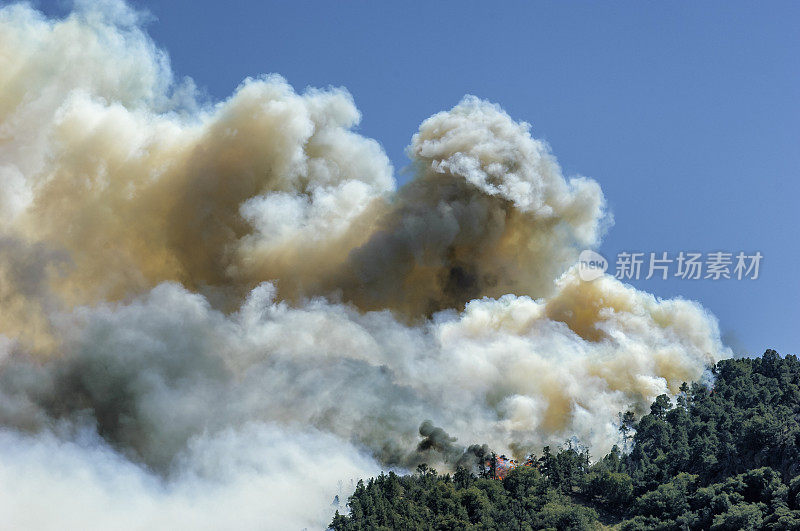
x,y
219,315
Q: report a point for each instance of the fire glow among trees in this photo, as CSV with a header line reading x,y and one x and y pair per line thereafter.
x,y
725,457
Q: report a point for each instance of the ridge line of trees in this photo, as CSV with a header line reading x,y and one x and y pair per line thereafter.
x,y
721,458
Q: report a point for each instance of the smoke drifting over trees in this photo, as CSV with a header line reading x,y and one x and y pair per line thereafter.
x,y
200,298
719,458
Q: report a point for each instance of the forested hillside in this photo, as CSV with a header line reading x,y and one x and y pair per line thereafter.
x,y
721,456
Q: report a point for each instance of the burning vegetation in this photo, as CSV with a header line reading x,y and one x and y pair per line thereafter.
x,y
721,459
191,287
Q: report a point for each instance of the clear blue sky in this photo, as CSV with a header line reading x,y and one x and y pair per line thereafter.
x,y
685,112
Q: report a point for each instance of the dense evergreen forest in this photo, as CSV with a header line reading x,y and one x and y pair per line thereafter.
x,y
725,456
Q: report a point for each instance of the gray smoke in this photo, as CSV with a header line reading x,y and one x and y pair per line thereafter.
x,y
211,314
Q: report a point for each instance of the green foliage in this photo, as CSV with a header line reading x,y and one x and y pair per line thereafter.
x,y
721,458
614,490
427,500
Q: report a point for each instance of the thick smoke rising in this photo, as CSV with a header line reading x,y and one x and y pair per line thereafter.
x,y
213,314
488,214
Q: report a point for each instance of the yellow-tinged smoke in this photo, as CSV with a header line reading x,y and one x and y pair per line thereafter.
x,y
191,289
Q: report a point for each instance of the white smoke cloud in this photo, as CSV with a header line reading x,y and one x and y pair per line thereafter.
x,y
257,477
210,314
